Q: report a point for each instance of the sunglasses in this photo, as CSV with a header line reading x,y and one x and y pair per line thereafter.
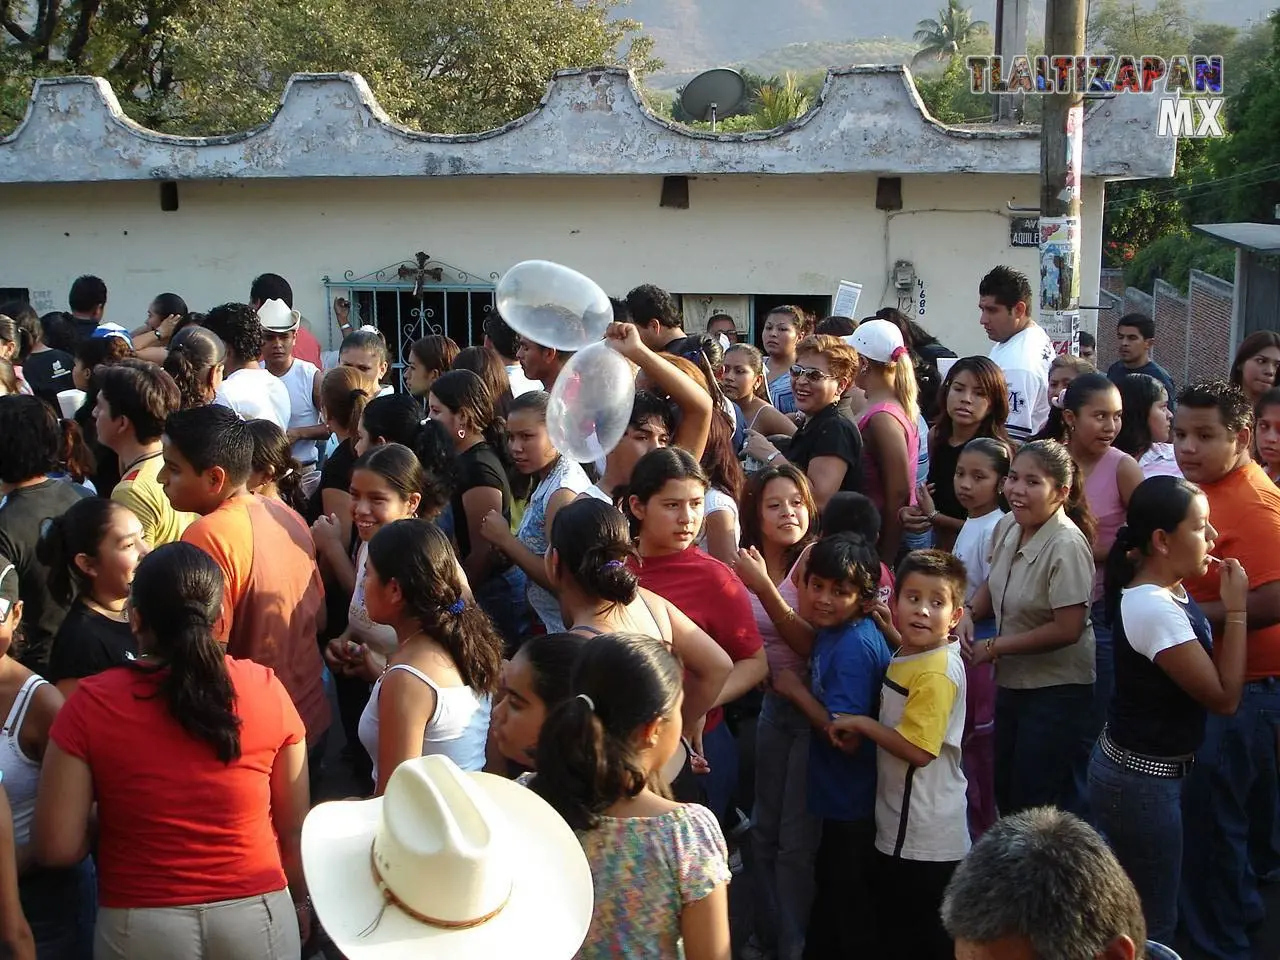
x,y
812,374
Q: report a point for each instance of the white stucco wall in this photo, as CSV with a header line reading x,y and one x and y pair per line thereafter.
x,y
741,235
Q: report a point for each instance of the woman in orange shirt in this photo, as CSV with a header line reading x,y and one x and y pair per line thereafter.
x,y
198,765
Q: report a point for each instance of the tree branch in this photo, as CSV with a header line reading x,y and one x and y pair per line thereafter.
x,y
84,25
11,26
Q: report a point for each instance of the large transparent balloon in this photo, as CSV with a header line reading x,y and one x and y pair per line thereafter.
x,y
552,305
591,403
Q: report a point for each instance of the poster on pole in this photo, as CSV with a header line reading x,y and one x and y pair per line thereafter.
x,y
846,299
1060,282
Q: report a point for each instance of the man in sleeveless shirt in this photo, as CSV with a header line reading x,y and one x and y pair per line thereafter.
x,y
301,379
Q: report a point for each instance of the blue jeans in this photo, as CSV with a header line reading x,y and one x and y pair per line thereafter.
x,y
1141,817
61,906
1230,810
1040,745
722,754
784,835
1104,686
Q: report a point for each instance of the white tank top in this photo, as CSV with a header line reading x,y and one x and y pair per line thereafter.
x,y
300,380
459,728
379,636
21,774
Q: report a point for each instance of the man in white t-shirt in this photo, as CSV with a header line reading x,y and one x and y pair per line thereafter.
x,y
246,388
500,337
1022,349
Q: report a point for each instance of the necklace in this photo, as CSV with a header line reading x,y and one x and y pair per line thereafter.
x,y
117,616
137,460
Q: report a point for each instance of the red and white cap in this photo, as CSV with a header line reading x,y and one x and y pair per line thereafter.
x,y
878,340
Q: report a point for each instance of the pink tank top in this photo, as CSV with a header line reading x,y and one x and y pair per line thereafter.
x,y
1102,490
873,482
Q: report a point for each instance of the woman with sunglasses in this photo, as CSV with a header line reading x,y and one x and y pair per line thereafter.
x,y
828,448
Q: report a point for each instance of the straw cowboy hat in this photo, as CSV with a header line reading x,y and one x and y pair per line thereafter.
x,y
447,864
276,317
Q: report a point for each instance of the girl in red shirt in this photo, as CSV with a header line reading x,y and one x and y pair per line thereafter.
x,y
666,501
198,766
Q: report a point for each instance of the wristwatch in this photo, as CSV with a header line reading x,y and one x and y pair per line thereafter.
x,y
773,456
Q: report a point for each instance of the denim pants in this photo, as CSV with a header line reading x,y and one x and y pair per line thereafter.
x,y
784,835
1141,817
1230,819
1104,687
978,745
1040,745
61,907
263,928
722,754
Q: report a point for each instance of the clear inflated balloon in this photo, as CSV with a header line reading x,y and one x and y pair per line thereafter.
x,y
552,305
591,403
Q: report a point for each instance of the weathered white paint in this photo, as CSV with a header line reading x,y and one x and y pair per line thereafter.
x,y
592,121
742,235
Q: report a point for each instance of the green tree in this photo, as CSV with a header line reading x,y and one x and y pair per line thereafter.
x,y
781,103
1129,27
943,38
213,66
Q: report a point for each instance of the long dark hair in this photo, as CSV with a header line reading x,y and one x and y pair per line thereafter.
x,y
177,593
753,502
463,392
80,529
344,393
1079,392
1064,471
193,353
1251,346
994,387
593,543
551,657
1157,503
416,555
587,757
273,454
656,467
1138,394
486,363
398,419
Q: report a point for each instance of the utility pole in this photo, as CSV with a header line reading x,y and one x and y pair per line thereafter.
x,y
1061,147
1011,41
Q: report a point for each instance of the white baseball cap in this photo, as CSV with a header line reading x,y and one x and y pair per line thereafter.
x,y
878,340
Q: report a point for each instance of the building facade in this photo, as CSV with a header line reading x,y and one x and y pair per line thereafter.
x,y
867,187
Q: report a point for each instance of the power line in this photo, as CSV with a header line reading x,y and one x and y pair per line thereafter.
x,y
1259,175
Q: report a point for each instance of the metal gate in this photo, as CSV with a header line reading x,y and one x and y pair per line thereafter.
x,y
1259,293
413,299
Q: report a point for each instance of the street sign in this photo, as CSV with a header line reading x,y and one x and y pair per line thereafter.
x,y
1024,232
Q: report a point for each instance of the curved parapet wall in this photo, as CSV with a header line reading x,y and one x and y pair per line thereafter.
x,y
868,120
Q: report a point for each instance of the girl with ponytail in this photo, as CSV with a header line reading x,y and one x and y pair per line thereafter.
x,y
890,432
1039,589
1168,677
461,403
195,361
186,721
435,693
91,551
660,868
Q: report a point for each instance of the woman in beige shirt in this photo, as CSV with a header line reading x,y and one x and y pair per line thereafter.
x,y
1039,589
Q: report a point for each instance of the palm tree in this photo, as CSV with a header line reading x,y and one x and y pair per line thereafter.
x,y
781,102
943,38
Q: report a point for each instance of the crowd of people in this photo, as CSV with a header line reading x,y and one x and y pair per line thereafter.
x,y
926,655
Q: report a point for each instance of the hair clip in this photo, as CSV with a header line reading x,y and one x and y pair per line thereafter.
x,y
614,565
898,353
286,473
1056,402
423,421
457,606
591,704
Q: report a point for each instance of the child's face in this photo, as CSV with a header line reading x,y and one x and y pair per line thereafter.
x,y
1268,428
927,610
826,602
1095,425
977,483
1160,419
671,518
188,490
967,402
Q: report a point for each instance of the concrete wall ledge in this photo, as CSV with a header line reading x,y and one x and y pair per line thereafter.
x,y
592,121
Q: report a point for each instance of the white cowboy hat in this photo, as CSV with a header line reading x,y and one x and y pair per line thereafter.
x,y
276,316
447,864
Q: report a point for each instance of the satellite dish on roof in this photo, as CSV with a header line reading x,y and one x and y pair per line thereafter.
x,y
712,94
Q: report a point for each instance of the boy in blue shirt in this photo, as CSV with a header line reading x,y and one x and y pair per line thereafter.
x,y
849,659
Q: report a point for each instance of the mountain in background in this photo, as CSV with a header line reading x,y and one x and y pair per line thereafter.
x,y
693,35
